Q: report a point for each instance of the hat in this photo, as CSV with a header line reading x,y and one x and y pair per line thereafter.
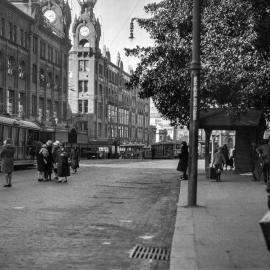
x,y
56,143
49,142
44,146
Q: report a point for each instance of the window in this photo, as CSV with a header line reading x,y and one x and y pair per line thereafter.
x,y
21,70
56,109
50,53
15,33
83,86
80,86
96,87
42,49
99,113
22,38
80,109
34,105
85,106
26,40
3,27
57,82
34,73
100,70
41,109
10,32
48,110
11,65
41,76
57,57
35,44
11,102
84,65
99,129
21,105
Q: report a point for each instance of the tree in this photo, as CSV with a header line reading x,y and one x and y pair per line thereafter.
x,y
235,56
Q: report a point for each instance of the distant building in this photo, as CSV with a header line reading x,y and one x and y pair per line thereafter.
x,y
100,105
34,45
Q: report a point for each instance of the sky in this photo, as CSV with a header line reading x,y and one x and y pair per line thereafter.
x,y
115,16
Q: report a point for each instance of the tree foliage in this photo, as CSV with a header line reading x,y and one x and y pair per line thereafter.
x,y
235,54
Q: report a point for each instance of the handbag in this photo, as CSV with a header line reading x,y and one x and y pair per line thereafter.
x,y
213,173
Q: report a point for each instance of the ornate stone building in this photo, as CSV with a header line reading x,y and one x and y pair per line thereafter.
x,y
34,46
109,113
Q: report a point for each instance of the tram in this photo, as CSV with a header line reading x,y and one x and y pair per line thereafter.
x,y
165,150
24,134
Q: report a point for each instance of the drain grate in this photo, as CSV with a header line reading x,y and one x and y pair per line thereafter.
x,y
154,253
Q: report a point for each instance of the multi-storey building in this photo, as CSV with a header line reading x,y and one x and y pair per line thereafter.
x,y
105,109
34,46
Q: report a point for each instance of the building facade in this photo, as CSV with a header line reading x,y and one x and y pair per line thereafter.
x,y
100,103
34,46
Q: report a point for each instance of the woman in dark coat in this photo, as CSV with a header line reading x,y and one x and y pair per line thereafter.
x,y
42,160
7,157
62,164
183,160
75,158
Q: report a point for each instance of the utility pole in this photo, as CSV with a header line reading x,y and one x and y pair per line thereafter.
x,y
195,87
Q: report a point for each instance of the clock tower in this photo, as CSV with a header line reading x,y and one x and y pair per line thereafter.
x,y
83,61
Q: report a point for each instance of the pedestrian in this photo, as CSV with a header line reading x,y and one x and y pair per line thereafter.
x,y
55,150
49,164
62,164
42,161
225,152
264,153
7,157
254,159
232,157
218,161
183,160
75,158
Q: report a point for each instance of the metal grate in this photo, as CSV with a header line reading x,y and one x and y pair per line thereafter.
x,y
154,253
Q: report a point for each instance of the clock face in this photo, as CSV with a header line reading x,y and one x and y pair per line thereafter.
x,y
50,15
84,31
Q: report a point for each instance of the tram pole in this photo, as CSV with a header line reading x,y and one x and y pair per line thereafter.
x,y
195,87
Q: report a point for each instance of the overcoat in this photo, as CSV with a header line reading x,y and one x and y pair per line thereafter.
x,y
42,159
74,157
183,159
7,156
63,169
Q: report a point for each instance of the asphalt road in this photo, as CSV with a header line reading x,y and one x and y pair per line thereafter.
x,y
93,222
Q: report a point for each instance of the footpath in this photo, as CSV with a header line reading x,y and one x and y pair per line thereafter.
x,y
223,231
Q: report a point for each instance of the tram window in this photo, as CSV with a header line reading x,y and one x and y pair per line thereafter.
x,y
22,136
7,132
15,135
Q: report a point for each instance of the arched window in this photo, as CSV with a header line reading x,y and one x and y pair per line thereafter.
x,y
21,70
56,82
11,65
49,79
42,76
84,43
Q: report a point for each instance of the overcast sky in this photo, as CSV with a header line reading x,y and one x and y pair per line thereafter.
x,y
115,16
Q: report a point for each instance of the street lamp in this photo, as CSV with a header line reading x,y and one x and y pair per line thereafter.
x,y
195,87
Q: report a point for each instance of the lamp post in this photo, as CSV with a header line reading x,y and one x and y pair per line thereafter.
x,y
195,86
